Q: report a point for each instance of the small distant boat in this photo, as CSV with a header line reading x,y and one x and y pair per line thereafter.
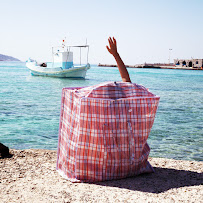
x,y
62,65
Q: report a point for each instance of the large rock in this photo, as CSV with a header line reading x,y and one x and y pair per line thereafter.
x,y
4,151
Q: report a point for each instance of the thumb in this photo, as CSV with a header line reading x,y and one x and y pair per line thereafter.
x,y
108,49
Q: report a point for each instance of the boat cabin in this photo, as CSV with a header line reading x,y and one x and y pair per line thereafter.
x,y
63,59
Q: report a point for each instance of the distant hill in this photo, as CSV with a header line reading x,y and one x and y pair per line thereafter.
x,y
7,58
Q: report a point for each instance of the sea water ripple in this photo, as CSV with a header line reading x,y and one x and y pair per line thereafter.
x,y
30,108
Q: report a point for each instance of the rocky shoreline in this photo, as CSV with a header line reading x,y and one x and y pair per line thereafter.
x,y
156,66
31,176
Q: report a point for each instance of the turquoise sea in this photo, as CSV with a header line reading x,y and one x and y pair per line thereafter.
x,y
30,108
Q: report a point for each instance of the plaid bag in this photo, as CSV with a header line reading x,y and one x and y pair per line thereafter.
x,y
103,131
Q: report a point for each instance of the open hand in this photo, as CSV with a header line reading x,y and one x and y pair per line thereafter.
x,y
112,48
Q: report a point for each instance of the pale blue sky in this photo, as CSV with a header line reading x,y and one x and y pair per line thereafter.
x,y
145,30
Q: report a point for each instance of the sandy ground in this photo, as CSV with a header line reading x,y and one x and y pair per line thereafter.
x,y
30,176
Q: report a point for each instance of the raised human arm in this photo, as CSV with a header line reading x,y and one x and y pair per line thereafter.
x,y
112,48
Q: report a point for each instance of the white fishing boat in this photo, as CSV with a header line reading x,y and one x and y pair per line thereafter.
x,y
62,65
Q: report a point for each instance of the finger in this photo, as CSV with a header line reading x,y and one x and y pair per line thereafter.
x,y
108,49
110,44
114,40
110,40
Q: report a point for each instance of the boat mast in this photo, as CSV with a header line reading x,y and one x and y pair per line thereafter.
x,y
80,55
87,50
87,53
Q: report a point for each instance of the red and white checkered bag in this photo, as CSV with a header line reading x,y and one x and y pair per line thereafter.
x,y
103,131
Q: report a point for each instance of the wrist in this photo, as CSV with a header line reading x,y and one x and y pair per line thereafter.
x,y
116,55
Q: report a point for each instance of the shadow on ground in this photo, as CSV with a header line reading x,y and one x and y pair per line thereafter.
x,y
162,180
